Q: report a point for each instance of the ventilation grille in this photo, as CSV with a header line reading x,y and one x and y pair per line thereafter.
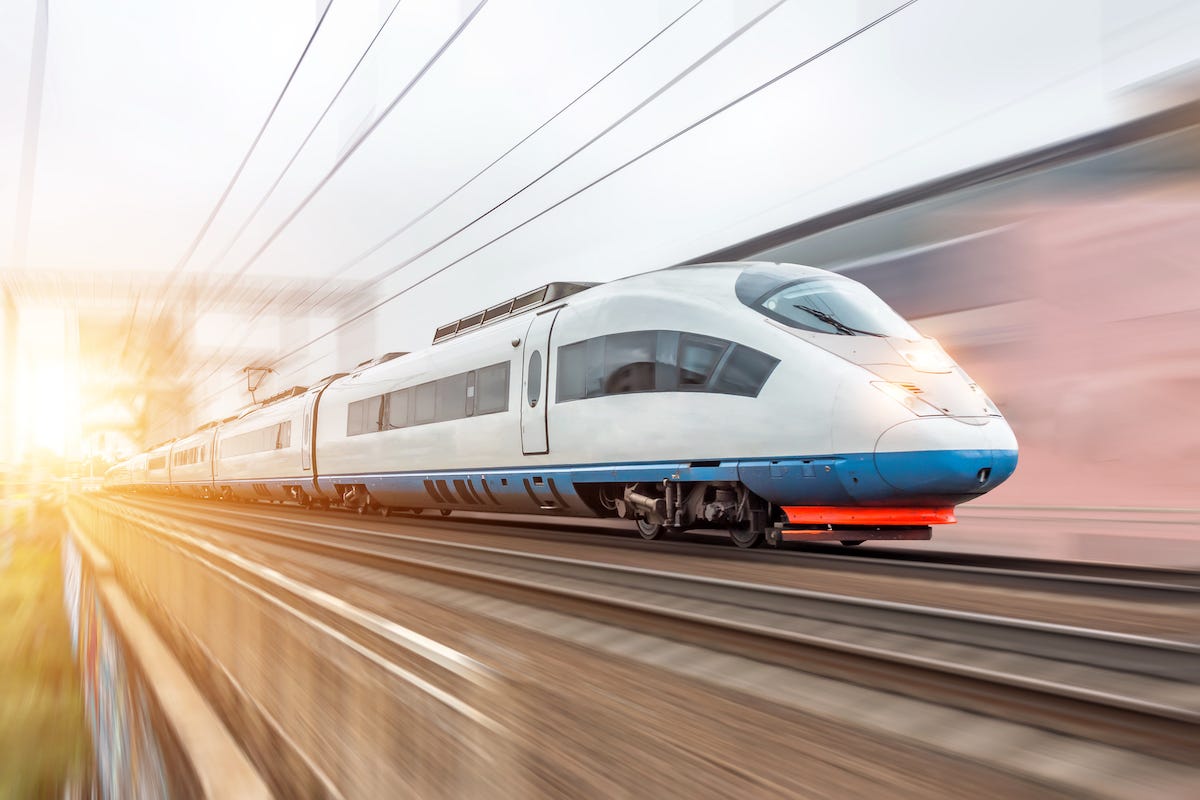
x,y
538,297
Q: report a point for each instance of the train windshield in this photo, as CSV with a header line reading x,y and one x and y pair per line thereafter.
x,y
833,305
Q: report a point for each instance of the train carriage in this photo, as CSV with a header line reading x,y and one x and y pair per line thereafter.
x,y
191,463
760,399
155,472
258,454
727,395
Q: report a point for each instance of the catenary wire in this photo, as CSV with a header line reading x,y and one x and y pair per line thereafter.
x,y
745,96
329,280
346,155
204,228
454,192
694,65
654,148
311,132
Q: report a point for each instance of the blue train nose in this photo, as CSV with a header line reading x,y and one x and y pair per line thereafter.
x,y
944,455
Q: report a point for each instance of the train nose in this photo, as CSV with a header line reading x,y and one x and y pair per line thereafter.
x,y
944,455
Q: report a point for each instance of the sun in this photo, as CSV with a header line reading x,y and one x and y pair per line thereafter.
x,y
56,395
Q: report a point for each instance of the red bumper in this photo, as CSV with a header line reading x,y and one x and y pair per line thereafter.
x,y
840,515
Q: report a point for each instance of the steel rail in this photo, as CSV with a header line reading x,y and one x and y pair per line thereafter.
x,y
1132,691
1110,581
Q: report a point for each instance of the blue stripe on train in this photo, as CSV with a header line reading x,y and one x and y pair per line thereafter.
x,y
932,477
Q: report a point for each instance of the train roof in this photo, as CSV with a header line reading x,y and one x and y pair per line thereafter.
x,y
543,295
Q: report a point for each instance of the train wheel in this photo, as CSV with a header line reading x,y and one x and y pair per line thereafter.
x,y
852,542
649,530
446,512
745,538
417,511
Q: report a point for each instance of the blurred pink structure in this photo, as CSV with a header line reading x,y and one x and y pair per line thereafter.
x,y
1099,373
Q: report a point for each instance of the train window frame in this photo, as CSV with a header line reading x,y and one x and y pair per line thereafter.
x,y
571,380
594,355
450,401
857,296
738,355
480,391
580,358
425,395
355,417
533,383
484,388
700,343
394,421
619,350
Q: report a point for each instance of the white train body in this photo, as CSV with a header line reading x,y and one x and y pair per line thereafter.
x,y
191,463
729,395
258,455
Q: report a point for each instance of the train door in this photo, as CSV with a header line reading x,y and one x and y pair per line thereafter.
x,y
210,455
535,384
306,431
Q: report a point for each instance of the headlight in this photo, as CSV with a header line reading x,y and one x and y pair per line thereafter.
x,y
906,398
928,359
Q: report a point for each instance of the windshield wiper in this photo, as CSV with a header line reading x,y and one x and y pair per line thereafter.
x,y
829,319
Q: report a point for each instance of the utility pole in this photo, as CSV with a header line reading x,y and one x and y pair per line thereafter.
x,y
8,448
33,121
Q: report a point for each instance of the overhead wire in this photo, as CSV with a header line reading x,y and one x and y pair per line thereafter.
x,y
358,141
456,191
329,279
659,145
624,165
679,76
237,173
308,137
340,162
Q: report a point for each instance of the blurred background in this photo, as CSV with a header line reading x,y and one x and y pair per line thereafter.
x,y
203,204
188,192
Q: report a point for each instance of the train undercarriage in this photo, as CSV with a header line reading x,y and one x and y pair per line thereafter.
x,y
657,510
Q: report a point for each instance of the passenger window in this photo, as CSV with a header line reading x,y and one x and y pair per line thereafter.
x,y
372,414
491,389
629,362
397,413
426,403
697,357
745,372
572,371
451,400
666,375
535,378
594,359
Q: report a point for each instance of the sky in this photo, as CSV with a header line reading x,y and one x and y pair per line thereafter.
x,y
150,107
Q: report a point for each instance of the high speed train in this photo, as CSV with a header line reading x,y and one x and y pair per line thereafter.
x,y
769,401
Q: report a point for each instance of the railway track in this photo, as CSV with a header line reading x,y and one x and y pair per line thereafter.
x,y
1098,580
1134,692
